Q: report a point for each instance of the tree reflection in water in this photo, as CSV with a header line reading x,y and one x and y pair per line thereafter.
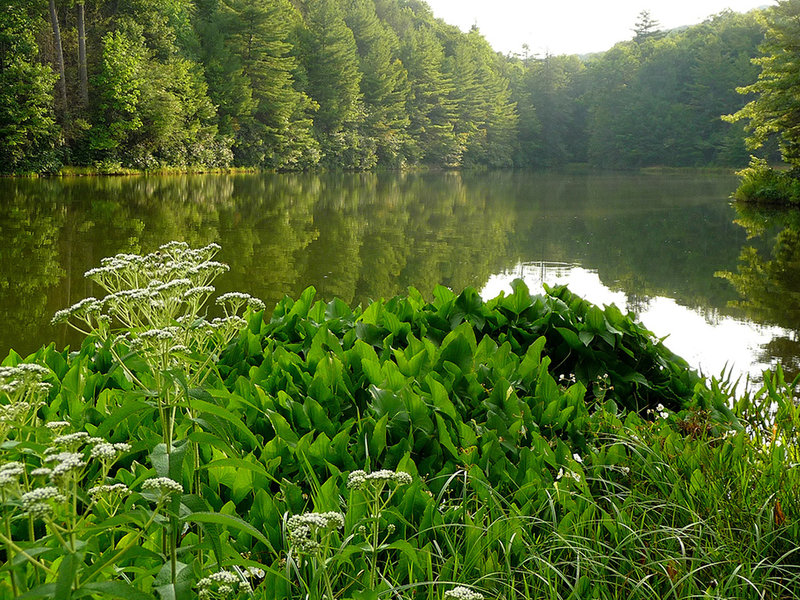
x,y
769,283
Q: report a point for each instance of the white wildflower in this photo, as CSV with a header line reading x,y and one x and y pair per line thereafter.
x,y
33,369
104,451
166,333
222,581
303,529
255,572
463,593
36,503
67,463
359,479
10,472
115,489
233,297
164,485
71,439
198,291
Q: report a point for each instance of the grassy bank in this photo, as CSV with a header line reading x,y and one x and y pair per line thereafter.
x,y
531,446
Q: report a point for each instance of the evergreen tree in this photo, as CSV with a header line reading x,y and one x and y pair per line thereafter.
x,y
645,27
384,82
329,54
431,109
273,123
486,120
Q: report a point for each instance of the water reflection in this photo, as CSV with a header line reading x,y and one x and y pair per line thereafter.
x,y
642,240
768,282
706,338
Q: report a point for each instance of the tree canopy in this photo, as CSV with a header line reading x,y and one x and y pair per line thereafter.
x,y
776,107
363,84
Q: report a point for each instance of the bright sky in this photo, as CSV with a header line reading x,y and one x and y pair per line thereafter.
x,y
573,26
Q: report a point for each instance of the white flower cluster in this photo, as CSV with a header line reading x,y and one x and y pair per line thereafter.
x,y
57,425
13,413
108,451
38,502
238,299
463,593
114,489
85,310
221,584
302,529
148,294
10,472
255,572
71,439
67,462
164,334
19,384
198,292
360,479
163,485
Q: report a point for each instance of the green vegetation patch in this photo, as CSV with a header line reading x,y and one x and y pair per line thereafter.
x,y
529,446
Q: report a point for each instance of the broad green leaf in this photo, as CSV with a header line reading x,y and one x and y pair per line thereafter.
x,y
230,521
112,589
67,571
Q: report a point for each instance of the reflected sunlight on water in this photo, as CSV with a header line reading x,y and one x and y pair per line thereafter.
x,y
708,340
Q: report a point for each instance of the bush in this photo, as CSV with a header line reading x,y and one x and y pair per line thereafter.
x,y
760,183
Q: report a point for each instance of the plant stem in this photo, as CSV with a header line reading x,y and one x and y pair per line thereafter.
x,y
10,554
10,543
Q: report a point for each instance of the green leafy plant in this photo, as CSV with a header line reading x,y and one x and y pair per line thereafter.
x,y
522,447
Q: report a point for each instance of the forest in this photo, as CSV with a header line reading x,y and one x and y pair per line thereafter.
x,y
353,85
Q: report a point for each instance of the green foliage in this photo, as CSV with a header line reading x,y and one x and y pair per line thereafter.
x,y
363,84
270,119
118,80
412,445
776,110
655,100
767,285
760,183
28,132
431,109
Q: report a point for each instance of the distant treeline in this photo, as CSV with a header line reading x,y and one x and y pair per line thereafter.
x,y
351,84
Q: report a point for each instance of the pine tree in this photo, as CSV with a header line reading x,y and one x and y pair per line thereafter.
x,y
431,109
384,81
274,123
329,54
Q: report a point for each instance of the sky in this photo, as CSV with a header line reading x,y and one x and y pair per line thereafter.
x,y
573,26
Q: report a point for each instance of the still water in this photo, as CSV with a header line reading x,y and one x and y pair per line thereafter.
x,y
652,244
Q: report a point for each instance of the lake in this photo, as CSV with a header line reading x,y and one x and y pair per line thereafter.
x,y
653,244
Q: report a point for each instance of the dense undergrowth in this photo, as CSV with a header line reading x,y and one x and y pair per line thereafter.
x,y
762,184
531,446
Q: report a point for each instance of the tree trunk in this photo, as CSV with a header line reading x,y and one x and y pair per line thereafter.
x,y
84,76
62,82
